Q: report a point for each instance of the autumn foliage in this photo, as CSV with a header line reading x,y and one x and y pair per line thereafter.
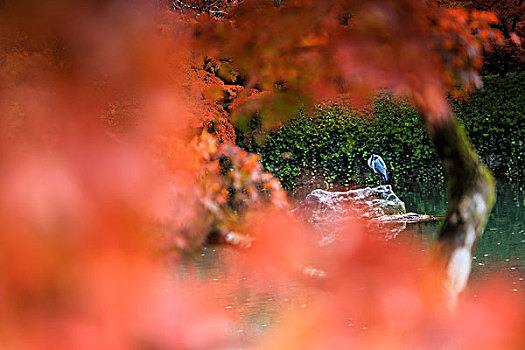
x,y
106,172
509,57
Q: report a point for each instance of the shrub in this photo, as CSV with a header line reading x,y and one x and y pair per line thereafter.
x,y
494,119
329,146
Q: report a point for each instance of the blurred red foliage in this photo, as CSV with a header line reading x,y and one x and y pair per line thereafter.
x,y
372,294
77,265
509,57
98,105
322,48
220,182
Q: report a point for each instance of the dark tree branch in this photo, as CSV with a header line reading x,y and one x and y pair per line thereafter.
x,y
485,5
207,8
471,193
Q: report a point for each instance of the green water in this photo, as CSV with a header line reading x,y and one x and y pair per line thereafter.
x,y
501,249
254,312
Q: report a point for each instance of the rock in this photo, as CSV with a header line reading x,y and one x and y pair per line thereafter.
x,y
409,218
379,204
370,202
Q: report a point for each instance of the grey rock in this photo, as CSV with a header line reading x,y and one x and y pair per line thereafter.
x,y
379,204
372,202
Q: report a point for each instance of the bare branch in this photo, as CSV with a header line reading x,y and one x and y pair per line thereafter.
x,y
206,8
485,5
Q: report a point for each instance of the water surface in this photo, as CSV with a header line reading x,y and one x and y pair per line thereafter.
x,y
501,251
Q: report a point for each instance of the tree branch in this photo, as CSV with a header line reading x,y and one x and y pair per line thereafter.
x,y
471,193
485,5
205,9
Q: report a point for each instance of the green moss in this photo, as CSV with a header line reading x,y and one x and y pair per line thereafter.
x,y
469,184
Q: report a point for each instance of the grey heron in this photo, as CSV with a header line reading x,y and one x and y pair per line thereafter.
x,y
378,166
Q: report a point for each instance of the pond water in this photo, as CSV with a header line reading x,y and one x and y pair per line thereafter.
x,y
501,251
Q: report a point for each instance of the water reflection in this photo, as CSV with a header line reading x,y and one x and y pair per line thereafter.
x,y
502,248
254,312
501,251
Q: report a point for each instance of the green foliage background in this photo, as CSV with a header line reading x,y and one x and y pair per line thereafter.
x,y
329,146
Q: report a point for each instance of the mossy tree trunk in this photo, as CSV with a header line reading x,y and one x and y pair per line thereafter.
x,y
471,193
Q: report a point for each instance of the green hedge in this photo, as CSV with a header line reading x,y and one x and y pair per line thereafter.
x,y
495,121
330,146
